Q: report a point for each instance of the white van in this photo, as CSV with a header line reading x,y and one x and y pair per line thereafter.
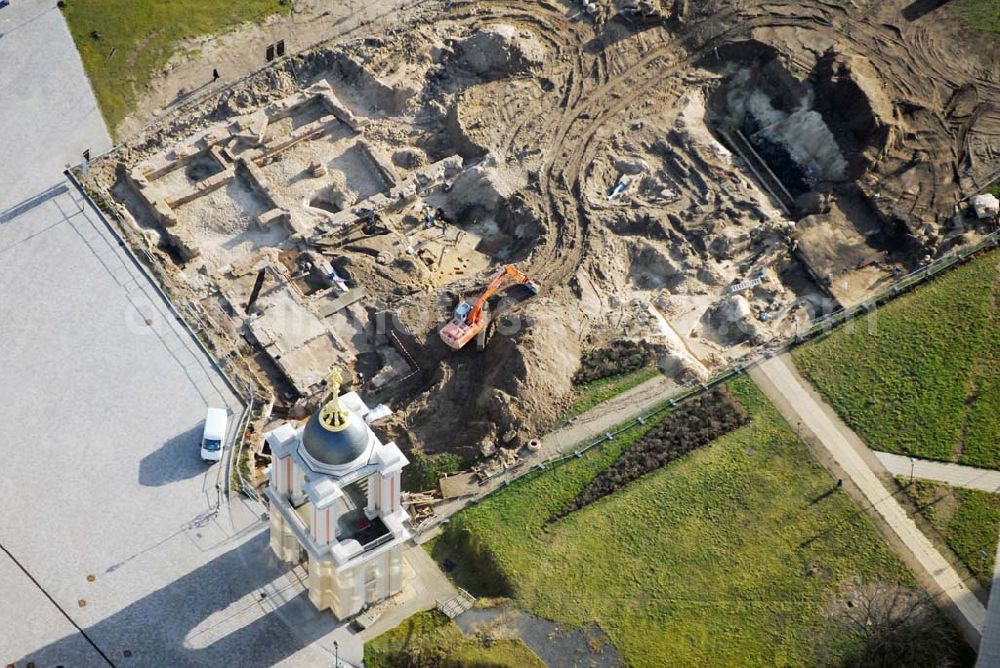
x,y
214,434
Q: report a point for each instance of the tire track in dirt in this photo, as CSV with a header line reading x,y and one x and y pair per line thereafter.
x,y
603,80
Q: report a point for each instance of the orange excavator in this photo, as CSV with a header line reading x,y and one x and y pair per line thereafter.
x,y
469,319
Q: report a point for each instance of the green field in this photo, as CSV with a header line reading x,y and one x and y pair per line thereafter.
x,y
729,556
922,375
134,40
424,471
430,639
588,395
980,14
967,519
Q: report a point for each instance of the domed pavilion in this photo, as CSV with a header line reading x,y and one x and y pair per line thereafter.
x,y
334,491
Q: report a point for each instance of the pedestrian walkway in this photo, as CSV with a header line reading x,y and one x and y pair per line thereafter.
x,y
48,115
955,475
583,429
799,406
989,648
968,477
605,416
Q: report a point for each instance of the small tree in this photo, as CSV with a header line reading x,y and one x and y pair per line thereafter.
x,y
889,626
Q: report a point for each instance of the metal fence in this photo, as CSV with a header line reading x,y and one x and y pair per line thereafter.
x,y
819,328
957,257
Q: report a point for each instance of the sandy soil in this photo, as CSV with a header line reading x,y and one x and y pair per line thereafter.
x,y
601,156
236,54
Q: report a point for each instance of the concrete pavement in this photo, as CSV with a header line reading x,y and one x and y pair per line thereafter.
x,y
951,474
799,406
48,114
423,586
116,537
116,543
604,417
989,647
970,478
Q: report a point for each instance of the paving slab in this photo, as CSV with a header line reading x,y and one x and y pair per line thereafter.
x,y
117,533
952,474
48,114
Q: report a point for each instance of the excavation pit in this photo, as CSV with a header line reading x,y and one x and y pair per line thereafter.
x,y
340,159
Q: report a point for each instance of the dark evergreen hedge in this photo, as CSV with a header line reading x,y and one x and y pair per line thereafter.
x,y
695,423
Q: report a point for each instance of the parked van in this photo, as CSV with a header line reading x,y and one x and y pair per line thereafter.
x,y
214,434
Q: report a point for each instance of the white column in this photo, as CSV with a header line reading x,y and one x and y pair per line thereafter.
x,y
374,481
298,481
389,500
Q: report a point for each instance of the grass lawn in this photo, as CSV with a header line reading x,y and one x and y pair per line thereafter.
x,y
596,392
980,14
922,375
968,519
425,470
136,39
431,639
731,555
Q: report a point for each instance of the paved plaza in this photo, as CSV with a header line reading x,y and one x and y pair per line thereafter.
x,y
48,115
117,539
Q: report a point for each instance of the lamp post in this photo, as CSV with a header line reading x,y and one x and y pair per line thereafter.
x,y
336,654
912,463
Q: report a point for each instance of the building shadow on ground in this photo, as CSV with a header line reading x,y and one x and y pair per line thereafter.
x,y
200,619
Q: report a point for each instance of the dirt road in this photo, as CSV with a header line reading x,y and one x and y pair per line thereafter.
x,y
604,417
798,405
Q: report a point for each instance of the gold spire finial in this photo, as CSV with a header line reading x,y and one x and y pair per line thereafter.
x,y
333,416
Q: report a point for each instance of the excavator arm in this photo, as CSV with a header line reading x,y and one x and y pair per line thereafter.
x,y
509,272
462,329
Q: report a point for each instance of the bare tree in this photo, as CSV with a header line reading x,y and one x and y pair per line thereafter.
x,y
888,626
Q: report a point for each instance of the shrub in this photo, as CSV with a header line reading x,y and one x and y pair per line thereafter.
x,y
696,423
619,358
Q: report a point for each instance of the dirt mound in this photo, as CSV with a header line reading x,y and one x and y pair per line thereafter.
x,y
500,51
484,186
512,385
619,357
730,321
849,95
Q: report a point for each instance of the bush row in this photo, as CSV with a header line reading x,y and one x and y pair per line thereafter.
x,y
697,422
618,358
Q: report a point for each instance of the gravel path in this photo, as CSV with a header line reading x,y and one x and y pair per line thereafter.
x,y
952,474
800,406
